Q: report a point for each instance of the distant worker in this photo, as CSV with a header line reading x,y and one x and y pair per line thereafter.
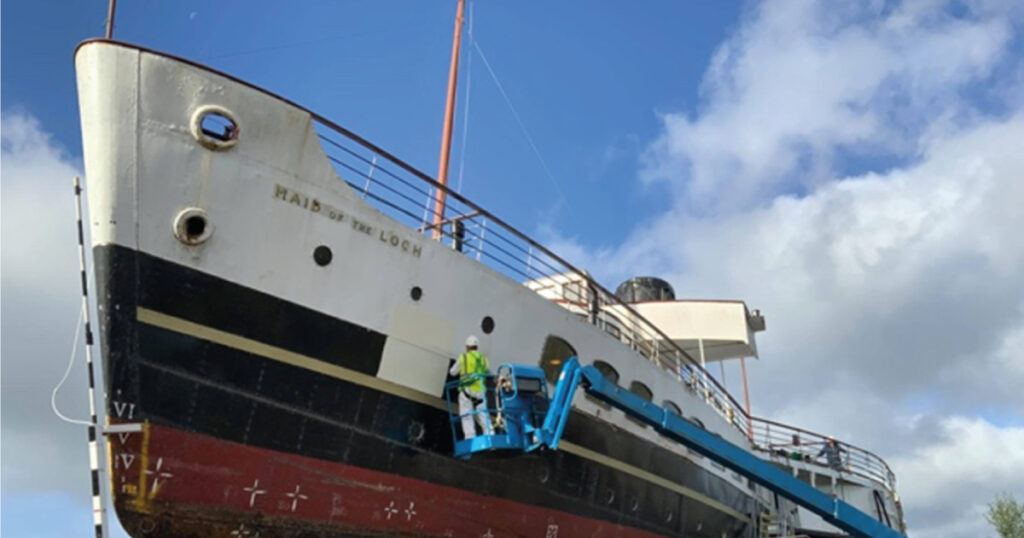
x,y
471,367
833,453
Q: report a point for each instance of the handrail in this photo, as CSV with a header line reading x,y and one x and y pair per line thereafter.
x,y
790,442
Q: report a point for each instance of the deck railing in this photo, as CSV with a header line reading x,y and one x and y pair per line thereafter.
x,y
407,195
785,442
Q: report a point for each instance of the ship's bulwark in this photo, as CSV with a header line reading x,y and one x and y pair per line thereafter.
x,y
265,417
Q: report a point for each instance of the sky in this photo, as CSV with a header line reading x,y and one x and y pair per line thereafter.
x,y
851,168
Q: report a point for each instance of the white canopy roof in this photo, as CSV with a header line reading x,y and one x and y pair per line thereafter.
x,y
726,328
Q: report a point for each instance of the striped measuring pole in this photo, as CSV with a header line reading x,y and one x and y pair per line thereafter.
x,y
99,501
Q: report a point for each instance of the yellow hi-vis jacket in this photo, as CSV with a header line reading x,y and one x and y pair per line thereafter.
x,y
472,362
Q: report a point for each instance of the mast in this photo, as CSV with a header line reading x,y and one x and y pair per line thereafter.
x,y
111,8
446,134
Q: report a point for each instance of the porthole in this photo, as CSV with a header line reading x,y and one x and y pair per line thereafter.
x,y
416,432
416,293
214,127
487,325
634,504
322,255
192,227
669,516
609,496
147,525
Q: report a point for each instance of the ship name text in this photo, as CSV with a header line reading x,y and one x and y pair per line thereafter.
x,y
313,205
308,202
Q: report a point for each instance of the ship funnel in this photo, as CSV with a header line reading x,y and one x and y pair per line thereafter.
x,y
645,288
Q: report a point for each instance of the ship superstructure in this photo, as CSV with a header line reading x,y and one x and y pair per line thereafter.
x,y
277,315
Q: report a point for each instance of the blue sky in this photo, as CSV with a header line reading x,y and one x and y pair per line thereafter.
x,y
849,167
586,78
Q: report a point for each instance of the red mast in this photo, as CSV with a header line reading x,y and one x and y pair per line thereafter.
x,y
446,135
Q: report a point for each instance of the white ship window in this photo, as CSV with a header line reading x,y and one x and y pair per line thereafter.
x,y
696,422
608,371
611,374
556,351
642,391
672,408
572,292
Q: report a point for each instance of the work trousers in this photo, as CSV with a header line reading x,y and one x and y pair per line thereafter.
x,y
466,408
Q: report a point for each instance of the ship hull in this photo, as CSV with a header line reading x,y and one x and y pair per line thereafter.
x,y
204,486
238,389
303,335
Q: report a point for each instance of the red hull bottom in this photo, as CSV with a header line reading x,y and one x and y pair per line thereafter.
x,y
168,482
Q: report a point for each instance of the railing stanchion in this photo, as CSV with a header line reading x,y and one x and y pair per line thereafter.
x,y
480,240
369,176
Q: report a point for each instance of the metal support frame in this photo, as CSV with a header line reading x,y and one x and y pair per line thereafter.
x,y
99,493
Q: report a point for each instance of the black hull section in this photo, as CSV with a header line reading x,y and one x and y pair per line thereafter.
x,y
192,384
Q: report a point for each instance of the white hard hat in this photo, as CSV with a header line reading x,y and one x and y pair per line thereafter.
x,y
472,341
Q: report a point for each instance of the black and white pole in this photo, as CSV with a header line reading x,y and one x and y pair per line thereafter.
x,y
99,501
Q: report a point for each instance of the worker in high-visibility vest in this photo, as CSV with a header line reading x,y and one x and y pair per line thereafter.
x,y
471,388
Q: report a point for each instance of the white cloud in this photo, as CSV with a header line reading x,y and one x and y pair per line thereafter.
x,y
41,295
894,297
39,241
45,461
803,79
958,476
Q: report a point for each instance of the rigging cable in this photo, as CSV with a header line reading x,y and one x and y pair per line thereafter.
x,y
67,371
465,107
519,120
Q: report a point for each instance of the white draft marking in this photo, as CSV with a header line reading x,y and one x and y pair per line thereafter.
x,y
336,508
391,510
295,496
157,473
124,460
120,407
552,531
411,511
487,534
253,491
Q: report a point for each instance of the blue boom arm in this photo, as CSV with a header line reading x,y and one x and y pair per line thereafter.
x,y
835,511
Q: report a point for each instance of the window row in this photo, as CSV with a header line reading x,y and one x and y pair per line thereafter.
x,y
556,351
